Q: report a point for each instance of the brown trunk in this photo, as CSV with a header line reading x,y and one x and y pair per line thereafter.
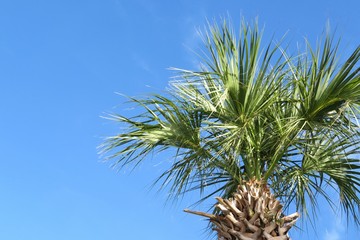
x,y
252,213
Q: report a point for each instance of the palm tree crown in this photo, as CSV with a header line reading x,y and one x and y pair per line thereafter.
x,y
253,113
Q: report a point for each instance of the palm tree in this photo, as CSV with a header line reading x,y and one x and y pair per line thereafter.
x,y
256,127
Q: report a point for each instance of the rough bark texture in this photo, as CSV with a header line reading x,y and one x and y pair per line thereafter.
x,y
252,213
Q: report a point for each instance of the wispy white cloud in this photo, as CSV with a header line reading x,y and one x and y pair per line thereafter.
x,y
141,62
337,230
150,8
334,234
120,8
192,43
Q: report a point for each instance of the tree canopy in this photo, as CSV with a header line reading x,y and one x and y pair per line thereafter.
x,y
254,112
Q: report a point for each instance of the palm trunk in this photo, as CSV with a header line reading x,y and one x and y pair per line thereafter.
x,y
252,213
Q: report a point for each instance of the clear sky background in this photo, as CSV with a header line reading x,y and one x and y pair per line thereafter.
x,y
61,62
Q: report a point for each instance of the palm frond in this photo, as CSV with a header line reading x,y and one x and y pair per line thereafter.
x,y
326,162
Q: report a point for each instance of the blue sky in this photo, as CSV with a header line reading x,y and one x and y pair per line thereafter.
x,y
61,63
